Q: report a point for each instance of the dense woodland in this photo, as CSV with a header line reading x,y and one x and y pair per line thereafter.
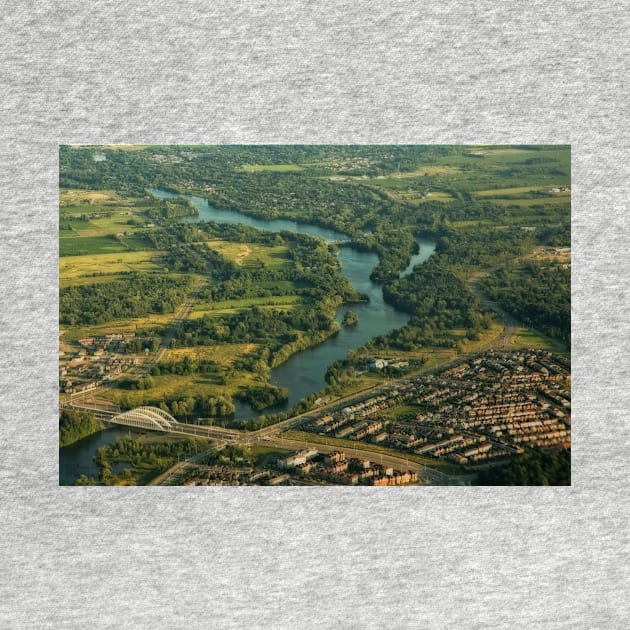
x,y
132,296
538,293
75,425
534,468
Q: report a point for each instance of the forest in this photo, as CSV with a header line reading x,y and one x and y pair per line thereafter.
x,y
132,296
537,467
75,425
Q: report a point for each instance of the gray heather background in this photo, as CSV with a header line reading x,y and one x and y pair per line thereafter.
x,y
325,72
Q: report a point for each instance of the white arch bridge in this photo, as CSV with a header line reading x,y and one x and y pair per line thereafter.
x,y
155,419
150,418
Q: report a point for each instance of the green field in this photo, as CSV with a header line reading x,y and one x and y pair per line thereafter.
x,y
253,255
236,305
531,339
81,269
501,192
272,168
172,386
110,244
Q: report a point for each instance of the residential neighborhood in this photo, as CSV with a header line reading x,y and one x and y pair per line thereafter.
x,y
487,409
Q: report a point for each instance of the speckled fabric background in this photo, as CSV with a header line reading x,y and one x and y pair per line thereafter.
x,y
303,72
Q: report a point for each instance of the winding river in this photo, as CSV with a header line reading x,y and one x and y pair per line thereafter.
x,y
304,372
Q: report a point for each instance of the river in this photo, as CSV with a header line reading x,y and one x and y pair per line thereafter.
x,y
304,372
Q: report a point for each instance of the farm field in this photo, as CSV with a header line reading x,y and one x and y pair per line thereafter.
x,y
82,269
106,244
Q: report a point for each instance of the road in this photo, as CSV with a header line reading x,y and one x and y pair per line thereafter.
x,y
511,324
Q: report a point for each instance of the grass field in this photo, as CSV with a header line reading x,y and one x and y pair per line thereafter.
x,y
277,168
85,245
400,411
201,308
136,324
223,355
176,386
436,196
530,339
101,226
485,338
74,196
535,204
425,170
81,268
510,191
253,254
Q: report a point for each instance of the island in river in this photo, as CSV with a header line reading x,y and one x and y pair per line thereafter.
x,y
215,282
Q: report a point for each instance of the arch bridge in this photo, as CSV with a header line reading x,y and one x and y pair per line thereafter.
x,y
150,418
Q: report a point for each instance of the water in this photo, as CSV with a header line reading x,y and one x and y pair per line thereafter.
x,y
304,372
77,459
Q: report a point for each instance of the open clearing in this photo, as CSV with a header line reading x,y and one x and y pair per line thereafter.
x,y
495,151
101,226
176,386
110,244
72,196
205,307
131,325
73,267
426,170
530,339
278,168
539,201
253,254
436,196
223,355
517,191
